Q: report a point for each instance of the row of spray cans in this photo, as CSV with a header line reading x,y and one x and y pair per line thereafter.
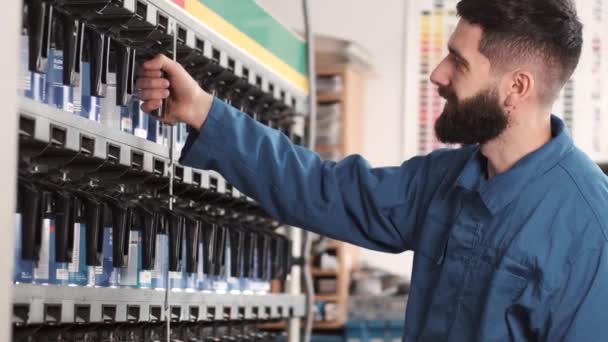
x,y
74,238
68,65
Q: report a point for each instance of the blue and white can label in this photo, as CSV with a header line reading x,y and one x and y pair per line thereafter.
x,y
78,269
161,262
105,275
58,94
129,275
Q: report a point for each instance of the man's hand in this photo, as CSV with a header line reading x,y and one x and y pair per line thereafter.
x,y
186,101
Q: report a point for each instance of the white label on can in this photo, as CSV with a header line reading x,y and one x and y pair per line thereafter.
x,y
42,268
62,274
145,278
200,270
128,275
220,286
74,266
158,261
140,132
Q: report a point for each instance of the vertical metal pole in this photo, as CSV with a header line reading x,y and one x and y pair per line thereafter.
x,y
312,138
294,286
10,18
312,76
171,138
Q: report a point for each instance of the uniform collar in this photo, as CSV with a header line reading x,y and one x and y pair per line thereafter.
x,y
502,189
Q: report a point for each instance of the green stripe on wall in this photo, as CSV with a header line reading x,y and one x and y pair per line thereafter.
x,y
251,19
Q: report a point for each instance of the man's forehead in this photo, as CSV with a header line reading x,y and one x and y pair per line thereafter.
x,y
466,38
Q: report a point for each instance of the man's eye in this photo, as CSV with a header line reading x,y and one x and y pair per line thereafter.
x,y
458,63
454,59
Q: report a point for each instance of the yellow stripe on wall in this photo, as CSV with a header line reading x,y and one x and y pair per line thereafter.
x,y
227,30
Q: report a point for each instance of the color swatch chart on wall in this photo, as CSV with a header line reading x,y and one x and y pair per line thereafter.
x,y
438,21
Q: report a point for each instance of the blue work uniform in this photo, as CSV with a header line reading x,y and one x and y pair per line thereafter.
x,y
522,256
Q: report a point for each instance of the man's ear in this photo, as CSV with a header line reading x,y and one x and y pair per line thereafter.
x,y
518,87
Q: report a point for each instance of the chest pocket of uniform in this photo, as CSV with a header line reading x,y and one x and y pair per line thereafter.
x,y
496,291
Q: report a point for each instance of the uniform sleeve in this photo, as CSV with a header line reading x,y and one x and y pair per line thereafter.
x,y
374,208
579,311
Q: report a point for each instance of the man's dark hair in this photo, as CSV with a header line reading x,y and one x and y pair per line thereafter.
x,y
545,33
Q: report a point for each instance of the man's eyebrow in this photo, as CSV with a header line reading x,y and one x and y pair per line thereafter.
x,y
458,55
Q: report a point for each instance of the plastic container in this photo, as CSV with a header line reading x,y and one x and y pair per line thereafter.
x,y
156,131
24,85
123,241
47,270
58,94
105,275
191,246
96,48
205,253
140,121
177,252
126,118
129,275
260,284
161,257
330,84
372,331
26,229
78,271
219,271
110,112
23,268
235,257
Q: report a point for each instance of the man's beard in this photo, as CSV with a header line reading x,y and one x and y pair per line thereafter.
x,y
476,120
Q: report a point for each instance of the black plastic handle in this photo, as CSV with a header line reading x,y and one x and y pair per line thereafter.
x,y
287,258
39,20
192,227
98,52
265,263
251,243
121,219
277,256
237,249
176,231
123,58
70,49
131,71
31,220
219,259
78,57
148,230
94,219
208,237
64,227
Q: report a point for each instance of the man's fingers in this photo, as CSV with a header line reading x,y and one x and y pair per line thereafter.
x,y
168,120
152,94
148,106
141,73
160,62
156,63
152,83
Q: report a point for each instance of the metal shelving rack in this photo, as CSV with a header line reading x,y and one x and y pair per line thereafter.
x,y
43,124
37,304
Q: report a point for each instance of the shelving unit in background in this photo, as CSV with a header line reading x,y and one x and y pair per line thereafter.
x,y
340,107
342,68
347,260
